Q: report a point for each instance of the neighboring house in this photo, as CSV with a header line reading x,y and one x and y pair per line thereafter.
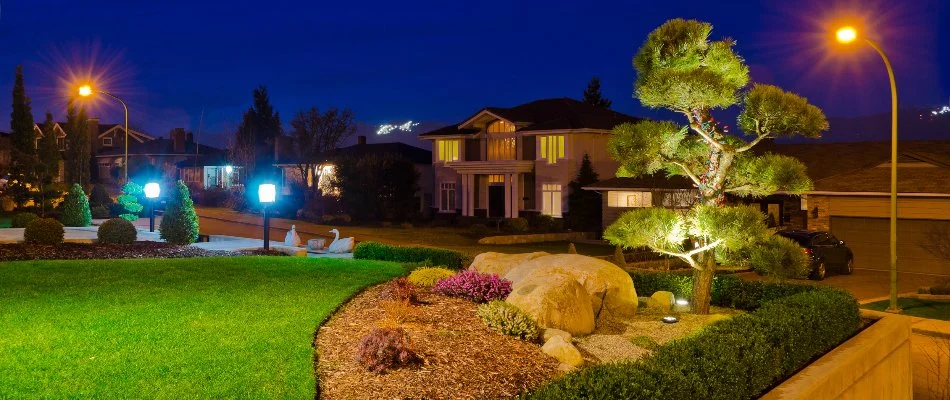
x,y
508,162
619,195
161,155
211,170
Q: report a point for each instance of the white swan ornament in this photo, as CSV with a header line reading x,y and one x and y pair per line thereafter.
x,y
292,238
338,245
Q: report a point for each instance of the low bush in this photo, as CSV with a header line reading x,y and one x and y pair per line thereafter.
x,y
408,254
117,231
44,231
384,349
399,289
429,276
474,286
507,319
779,257
479,230
547,223
99,212
739,358
20,220
729,290
516,224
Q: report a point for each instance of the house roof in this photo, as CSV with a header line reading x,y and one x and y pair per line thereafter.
x,y
655,181
828,159
878,180
163,146
544,115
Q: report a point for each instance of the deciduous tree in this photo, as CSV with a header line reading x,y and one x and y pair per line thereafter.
x,y
317,135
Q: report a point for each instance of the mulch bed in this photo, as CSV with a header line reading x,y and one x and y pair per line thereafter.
x,y
83,251
462,359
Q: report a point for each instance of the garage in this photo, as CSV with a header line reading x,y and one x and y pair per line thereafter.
x,y
869,239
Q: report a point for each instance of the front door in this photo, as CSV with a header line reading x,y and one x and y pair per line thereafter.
x,y
496,201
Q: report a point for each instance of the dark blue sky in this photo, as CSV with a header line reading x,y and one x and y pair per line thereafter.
x,y
434,61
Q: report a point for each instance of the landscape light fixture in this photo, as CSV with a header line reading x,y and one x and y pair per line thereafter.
x,y
86,91
682,302
152,190
267,194
669,319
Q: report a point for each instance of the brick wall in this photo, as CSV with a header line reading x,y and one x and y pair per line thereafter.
x,y
821,221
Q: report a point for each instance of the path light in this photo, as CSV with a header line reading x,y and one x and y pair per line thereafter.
x,y
267,194
669,319
152,190
682,302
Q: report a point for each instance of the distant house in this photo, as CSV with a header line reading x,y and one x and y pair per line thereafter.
x,y
624,194
162,156
508,162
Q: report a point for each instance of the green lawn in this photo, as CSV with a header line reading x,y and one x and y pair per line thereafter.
x,y
916,308
238,327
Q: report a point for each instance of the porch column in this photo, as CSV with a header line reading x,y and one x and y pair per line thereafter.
x,y
470,194
464,193
515,198
507,179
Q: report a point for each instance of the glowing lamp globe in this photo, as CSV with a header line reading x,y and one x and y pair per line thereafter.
x,y
85,91
267,193
228,169
152,190
846,34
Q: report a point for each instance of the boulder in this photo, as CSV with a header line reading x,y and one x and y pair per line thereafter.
x,y
555,301
563,351
610,287
662,301
501,263
552,332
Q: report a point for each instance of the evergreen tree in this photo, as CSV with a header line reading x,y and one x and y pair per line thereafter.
x,y
593,96
129,199
23,137
253,147
180,221
48,152
584,206
76,208
79,146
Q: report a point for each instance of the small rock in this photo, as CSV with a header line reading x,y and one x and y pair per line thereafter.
x,y
552,332
662,301
565,367
563,351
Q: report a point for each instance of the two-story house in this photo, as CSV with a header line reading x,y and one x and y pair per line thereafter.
x,y
508,162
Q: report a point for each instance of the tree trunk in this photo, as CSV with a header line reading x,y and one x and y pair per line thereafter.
x,y
702,284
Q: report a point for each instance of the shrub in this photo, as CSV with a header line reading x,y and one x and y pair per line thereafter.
x,y
408,254
507,319
129,200
76,208
729,290
474,286
479,230
399,289
99,197
179,222
21,220
117,231
429,276
516,224
738,358
44,231
547,223
779,257
99,212
941,287
384,349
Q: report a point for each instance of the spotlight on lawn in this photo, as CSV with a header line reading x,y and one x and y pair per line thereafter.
x,y
682,302
152,190
669,319
267,194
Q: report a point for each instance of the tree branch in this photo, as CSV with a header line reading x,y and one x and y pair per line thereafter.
x,y
688,172
738,188
698,129
752,143
688,256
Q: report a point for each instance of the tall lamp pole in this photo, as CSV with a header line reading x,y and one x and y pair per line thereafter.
x,y
847,35
86,91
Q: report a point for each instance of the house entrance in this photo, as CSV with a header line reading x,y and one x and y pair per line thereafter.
x,y
496,201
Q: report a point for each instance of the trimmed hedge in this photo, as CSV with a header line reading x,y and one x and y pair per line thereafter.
x,y
729,290
738,358
117,231
408,254
44,231
20,220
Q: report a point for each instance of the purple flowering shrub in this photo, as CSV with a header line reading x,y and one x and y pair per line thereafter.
x,y
474,286
384,349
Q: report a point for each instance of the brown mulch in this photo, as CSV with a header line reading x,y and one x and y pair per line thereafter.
x,y
83,251
462,359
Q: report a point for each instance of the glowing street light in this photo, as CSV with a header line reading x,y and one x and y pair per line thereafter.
x,y
267,194
152,190
86,91
847,35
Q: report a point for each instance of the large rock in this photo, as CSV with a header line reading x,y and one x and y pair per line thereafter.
x,y
552,332
610,288
555,301
501,263
563,351
662,301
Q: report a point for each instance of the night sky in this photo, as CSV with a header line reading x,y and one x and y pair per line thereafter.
x,y
436,61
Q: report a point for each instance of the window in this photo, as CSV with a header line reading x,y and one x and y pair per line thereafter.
x,y
496,179
678,199
448,150
447,191
107,142
629,199
551,200
552,148
501,148
500,127
61,143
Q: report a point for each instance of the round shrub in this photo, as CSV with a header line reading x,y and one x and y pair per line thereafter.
x,y
517,224
429,276
117,231
384,349
780,257
20,220
474,286
44,231
99,212
76,208
507,319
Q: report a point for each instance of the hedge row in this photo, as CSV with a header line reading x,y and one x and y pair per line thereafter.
x,y
738,358
729,290
408,254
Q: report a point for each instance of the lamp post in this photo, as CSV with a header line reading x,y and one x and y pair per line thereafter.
x,y
267,193
846,35
86,91
152,191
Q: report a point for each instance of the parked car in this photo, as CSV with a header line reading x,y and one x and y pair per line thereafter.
x,y
827,253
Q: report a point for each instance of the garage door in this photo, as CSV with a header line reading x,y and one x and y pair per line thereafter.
x,y
869,239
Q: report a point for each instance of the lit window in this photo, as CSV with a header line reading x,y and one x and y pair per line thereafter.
x,y
448,150
501,148
496,179
107,142
552,148
500,127
551,200
447,192
629,199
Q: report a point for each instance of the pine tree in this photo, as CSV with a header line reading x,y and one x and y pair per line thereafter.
x,y
76,208
48,151
253,147
79,149
23,154
593,96
584,206
180,221
129,199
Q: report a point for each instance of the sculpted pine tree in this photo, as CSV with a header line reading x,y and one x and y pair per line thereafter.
x,y
680,69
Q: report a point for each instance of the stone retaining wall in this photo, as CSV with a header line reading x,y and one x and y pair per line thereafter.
x,y
538,238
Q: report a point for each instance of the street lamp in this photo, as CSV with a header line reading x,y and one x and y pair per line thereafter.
x,y
847,35
267,193
86,91
152,191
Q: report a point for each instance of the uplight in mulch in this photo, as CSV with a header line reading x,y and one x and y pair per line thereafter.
x,y
669,319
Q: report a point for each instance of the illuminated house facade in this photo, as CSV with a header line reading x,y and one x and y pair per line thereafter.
x,y
508,162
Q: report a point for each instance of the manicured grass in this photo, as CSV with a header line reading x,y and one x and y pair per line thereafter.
x,y
916,308
238,327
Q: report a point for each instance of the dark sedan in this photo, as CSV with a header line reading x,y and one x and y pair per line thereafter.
x,y
827,253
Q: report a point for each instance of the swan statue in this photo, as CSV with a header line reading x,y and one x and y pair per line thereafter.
x,y
338,245
292,238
